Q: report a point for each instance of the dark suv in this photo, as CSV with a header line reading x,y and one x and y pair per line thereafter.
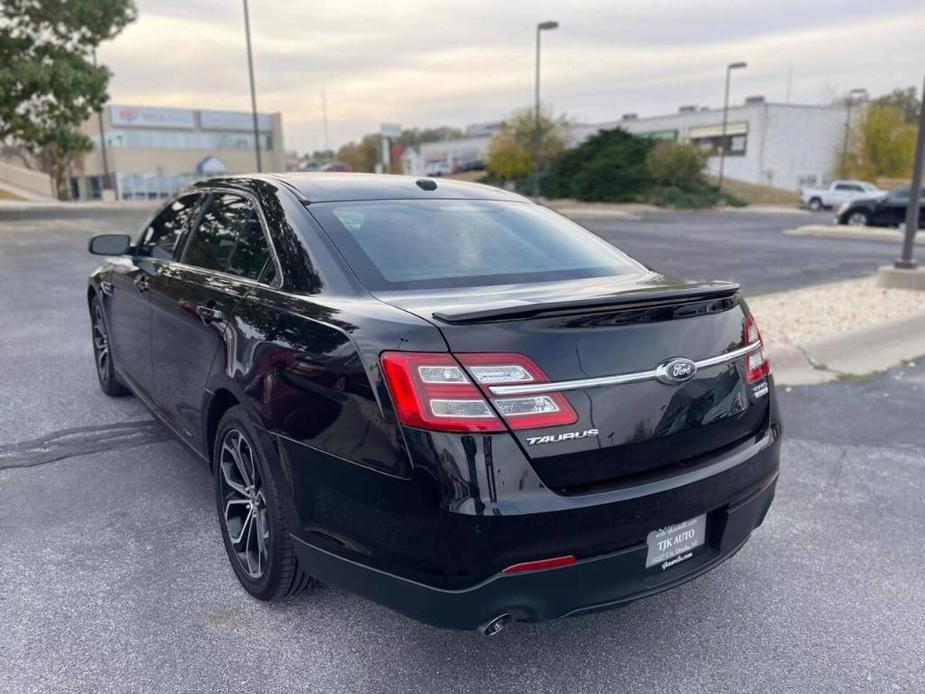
x,y
440,395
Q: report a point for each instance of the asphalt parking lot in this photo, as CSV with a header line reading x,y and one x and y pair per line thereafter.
x,y
743,246
114,577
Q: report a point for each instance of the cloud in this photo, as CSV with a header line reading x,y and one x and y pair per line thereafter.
x,y
455,63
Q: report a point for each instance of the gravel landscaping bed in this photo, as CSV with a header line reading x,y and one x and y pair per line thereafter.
x,y
808,315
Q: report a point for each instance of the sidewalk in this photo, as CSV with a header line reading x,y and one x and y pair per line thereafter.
x,y
839,231
840,330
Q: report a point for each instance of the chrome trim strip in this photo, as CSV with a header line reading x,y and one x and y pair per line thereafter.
x,y
617,379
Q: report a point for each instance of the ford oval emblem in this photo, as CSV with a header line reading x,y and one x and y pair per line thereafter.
x,y
676,371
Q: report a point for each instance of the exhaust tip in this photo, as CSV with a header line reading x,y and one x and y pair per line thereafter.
x,y
494,627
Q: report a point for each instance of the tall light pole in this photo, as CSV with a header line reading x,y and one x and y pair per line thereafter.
x,y
907,261
99,115
722,146
854,93
541,27
250,70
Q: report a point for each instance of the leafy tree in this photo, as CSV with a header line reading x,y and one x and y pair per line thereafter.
x,y
416,136
506,158
513,143
881,144
322,155
48,83
609,166
363,155
903,99
677,165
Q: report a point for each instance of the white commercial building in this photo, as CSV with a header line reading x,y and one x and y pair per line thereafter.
x,y
781,145
785,146
153,151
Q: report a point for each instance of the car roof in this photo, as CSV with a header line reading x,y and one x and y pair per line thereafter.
x,y
338,187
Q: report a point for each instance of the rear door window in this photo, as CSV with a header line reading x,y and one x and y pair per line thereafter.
x,y
165,230
423,244
229,238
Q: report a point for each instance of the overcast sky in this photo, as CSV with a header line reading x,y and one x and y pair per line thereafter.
x,y
426,63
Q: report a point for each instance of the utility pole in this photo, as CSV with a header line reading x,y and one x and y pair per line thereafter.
x,y
250,70
541,27
722,141
789,82
324,118
844,149
99,115
906,261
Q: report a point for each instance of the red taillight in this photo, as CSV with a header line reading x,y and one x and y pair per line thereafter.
x,y
435,391
539,565
757,365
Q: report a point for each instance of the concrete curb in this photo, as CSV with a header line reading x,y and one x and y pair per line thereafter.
x,y
845,232
582,212
852,354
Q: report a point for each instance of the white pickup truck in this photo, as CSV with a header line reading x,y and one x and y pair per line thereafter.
x,y
837,193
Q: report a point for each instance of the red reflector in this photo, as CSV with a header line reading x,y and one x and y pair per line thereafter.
x,y
540,564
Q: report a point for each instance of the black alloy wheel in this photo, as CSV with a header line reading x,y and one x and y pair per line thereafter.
x,y
255,528
245,506
102,352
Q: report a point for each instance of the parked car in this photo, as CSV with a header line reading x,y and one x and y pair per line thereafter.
x,y
837,193
471,165
440,396
438,168
888,210
335,167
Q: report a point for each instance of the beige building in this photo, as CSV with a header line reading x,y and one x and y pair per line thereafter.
x,y
152,152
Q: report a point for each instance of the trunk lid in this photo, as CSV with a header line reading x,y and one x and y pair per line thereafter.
x,y
579,330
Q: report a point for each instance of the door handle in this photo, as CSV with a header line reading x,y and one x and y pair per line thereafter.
x,y
209,314
142,284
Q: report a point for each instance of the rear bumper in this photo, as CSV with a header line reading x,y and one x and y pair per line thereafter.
x,y
592,584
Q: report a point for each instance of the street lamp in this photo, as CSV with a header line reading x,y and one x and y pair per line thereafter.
x,y
854,93
907,260
99,115
250,70
722,143
541,27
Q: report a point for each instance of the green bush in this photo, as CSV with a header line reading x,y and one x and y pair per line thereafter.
x,y
677,165
708,196
609,166
617,166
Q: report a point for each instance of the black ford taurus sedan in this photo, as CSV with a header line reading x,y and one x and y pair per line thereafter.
x,y
440,395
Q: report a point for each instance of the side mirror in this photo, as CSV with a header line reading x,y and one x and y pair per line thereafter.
x,y
110,244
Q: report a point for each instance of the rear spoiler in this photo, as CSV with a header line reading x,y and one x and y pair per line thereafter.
x,y
637,299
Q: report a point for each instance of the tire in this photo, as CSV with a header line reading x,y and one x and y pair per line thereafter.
x,y
815,204
858,219
102,352
254,526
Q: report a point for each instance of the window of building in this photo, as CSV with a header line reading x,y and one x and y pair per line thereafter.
x,y
160,238
179,139
736,145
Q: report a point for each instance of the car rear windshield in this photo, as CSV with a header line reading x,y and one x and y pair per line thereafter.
x,y
430,244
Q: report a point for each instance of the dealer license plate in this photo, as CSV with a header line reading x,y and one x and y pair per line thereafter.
x,y
673,544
